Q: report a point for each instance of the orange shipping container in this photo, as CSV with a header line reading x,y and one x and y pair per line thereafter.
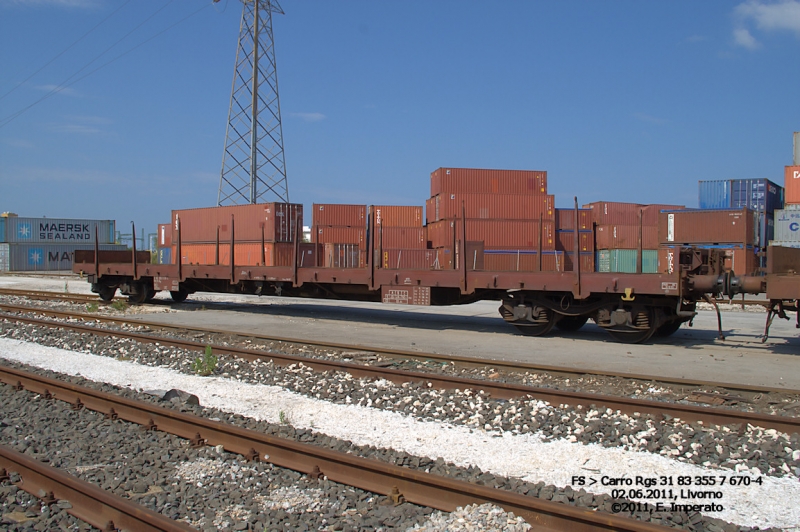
x,y
565,219
493,233
416,259
401,238
343,256
430,210
723,226
791,185
338,214
613,212
495,206
625,237
245,253
341,235
277,222
522,260
480,181
397,216
565,241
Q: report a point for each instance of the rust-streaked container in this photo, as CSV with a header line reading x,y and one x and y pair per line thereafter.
x,y
723,226
402,238
493,233
245,253
341,235
565,219
613,212
339,214
587,262
791,185
482,181
164,235
279,222
565,241
343,256
495,206
397,216
522,260
625,237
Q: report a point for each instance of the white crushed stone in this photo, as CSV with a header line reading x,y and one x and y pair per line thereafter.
x,y
484,517
524,456
293,500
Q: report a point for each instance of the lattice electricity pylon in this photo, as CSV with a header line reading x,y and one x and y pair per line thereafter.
x,y
253,165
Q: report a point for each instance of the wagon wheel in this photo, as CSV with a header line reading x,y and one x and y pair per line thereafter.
x,y
571,323
543,322
641,330
668,329
143,293
106,293
179,296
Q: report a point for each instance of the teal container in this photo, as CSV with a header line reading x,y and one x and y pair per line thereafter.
x,y
624,260
2,229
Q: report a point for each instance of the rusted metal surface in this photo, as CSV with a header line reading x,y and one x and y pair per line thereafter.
x,y
495,389
724,226
416,487
339,214
495,206
89,502
482,181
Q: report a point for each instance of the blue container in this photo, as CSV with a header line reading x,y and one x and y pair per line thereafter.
x,y
164,256
2,229
756,194
715,194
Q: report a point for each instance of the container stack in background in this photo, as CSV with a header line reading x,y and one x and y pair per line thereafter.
x,y
504,213
787,220
339,233
264,234
617,228
49,244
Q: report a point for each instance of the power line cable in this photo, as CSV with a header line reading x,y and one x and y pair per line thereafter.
x,y
67,83
65,50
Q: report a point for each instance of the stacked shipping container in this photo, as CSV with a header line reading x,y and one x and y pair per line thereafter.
x,y
401,239
340,232
787,220
49,244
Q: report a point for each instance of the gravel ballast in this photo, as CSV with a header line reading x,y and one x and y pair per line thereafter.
x,y
523,454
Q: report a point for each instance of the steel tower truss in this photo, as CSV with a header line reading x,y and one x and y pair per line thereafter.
x,y
253,165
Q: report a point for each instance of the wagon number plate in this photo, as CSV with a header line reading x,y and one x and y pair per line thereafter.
x,y
669,286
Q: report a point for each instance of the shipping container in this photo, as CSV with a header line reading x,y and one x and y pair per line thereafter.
x,y
612,212
650,212
245,253
735,226
624,260
791,184
494,233
165,255
741,260
343,256
164,235
416,259
57,230
341,235
785,244
397,216
587,261
565,241
495,206
625,237
16,257
565,219
308,254
755,194
339,214
787,225
274,222
715,194
401,238
522,260
482,181
430,210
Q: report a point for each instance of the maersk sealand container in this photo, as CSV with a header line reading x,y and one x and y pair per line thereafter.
x,y
57,231
44,256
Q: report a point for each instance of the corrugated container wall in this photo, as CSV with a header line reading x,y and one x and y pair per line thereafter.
x,y
624,260
430,210
342,235
495,206
164,235
791,184
17,257
565,219
277,222
756,194
787,225
2,229
402,238
626,236
565,240
414,259
397,216
245,254
493,233
708,227
339,214
57,230
612,212
523,260
482,181
714,194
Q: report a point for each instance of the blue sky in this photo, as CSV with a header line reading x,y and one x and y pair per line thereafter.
x,y
618,101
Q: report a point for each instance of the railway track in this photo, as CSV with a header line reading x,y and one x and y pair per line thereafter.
x,y
398,483
499,390
88,503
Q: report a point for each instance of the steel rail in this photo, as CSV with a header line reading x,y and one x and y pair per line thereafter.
x,y
399,483
413,355
500,390
90,503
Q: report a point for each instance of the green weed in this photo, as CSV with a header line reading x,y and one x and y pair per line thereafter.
x,y
206,365
120,305
92,307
